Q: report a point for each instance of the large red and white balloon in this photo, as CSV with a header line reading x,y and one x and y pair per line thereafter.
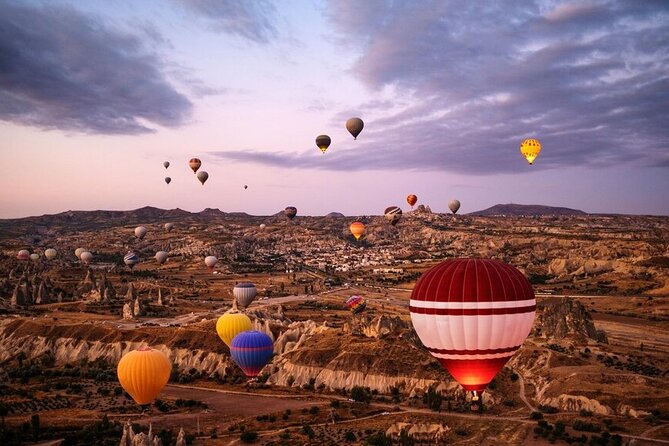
x,y
472,315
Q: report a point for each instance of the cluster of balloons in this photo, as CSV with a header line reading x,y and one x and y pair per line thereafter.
x,y
194,164
354,127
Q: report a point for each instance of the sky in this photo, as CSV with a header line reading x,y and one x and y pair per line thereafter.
x,y
95,95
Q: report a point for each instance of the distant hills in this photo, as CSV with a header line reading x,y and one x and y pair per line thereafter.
x,y
525,209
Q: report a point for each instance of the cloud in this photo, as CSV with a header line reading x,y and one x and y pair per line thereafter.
x,y
473,79
60,69
252,20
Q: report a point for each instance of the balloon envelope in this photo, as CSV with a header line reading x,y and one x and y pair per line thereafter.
x,y
202,176
530,149
78,251
34,257
143,374
140,232
50,253
86,257
357,229
169,226
131,259
230,325
168,180
393,214
23,254
356,304
412,199
166,164
210,261
290,211
354,126
454,205
161,257
263,225
472,315
323,142
194,164
251,350
245,293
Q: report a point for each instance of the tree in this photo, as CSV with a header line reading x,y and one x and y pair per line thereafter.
x,y
360,395
34,425
249,437
432,398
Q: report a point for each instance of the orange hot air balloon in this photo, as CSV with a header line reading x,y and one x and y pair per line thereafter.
x,y
412,199
143,373
194,164
357,229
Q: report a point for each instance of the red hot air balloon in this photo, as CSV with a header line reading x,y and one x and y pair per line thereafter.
x,y
412,199
472,315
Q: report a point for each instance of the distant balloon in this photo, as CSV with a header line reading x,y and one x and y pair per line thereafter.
x,y
251,351
161,257
323,142
412,199
23,254
194,164
263,225
393,214
246,186
356,304
202,176
530,149
143,373
169,226
357,229
86,257
34,257
140,232
290,211
131,259
168,180
454,205
230,325
50,254
210,261
244,293
78,251
354,126
166,164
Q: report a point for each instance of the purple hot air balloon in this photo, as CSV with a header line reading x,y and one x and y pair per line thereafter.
x,y
251,351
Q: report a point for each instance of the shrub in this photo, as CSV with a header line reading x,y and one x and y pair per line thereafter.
x,y
248,437
536,416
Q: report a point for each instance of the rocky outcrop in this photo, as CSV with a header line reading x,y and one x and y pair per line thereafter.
x,y
21,295
181,438
138,308
130,294
87,285
127,313
130,438
566,318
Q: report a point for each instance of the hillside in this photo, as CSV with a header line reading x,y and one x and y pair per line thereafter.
x,y
525,209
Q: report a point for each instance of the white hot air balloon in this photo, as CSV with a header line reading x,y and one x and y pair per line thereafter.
x,y
50,254
169,226
210,261
161,257
263,225
78,251
140,232
86,257
34,257
244,292
454,205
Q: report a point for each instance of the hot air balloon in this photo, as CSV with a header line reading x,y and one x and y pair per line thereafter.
x,y
244,292
140,232
169,226
454,205
354,126
246,186
161,257
472,315
50,254
143,373
263,225
210,261
530,149
78,251
86,257
166,164
194,164
168,180
357,229
23,254
412,199
356,304
251,350
34,257
202,176
230,325
323,142
393,214
290,211
131,259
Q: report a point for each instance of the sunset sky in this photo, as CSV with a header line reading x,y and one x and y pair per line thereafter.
x,y
95,95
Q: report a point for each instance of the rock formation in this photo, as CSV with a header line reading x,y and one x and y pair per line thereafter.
x,y
181,438
127,312
88,284
131,294
566,318
138,308
159,300
130,438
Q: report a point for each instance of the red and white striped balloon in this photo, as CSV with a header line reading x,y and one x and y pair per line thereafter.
x,y
472,315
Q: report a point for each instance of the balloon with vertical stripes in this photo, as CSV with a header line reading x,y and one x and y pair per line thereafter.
x,y
472,315
143,373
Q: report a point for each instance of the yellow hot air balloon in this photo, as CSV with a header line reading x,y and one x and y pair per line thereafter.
x,y
143,373
231,324
530,149
357,229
